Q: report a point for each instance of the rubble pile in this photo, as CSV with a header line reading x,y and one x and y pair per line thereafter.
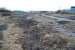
x,y
37,31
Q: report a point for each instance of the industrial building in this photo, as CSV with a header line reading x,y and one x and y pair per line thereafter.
x,y
71,10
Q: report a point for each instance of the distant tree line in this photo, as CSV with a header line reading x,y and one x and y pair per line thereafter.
x,y
5,12
63,12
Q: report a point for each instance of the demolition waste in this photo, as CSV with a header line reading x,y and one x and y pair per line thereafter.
x,y
36,31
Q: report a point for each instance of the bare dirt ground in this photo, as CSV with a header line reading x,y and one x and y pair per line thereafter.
x,y
38,32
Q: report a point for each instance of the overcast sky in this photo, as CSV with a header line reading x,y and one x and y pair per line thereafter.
x,y
36,5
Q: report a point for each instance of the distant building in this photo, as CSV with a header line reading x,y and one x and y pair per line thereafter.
x,y
18,13
71,10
